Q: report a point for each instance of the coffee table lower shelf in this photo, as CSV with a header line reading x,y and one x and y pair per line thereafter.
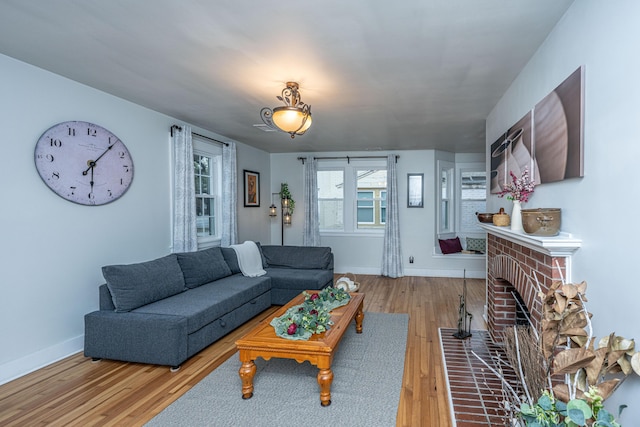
x,y
318,350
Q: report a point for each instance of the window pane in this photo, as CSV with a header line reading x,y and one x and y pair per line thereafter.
x,y
473,196
370,185
205,218
331,199
331,217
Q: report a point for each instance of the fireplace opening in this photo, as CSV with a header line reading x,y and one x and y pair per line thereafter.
x,y
522,312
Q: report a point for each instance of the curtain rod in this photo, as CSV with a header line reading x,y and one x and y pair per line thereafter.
x,y
348,158
201,136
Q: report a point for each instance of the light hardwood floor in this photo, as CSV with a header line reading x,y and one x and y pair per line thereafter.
x,y
77,392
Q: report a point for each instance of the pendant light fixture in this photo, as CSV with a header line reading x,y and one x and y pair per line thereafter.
x,y
294,117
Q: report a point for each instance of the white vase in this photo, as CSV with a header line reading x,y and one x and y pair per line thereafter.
x,y
516,217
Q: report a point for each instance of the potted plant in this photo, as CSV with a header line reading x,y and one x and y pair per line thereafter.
x,y
285,194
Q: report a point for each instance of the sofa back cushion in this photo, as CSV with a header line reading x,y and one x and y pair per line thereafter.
x,y
135,285
306,257
203,266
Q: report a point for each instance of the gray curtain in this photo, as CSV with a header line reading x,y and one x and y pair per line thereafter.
x,y
229,234
391,249
311,231
185,237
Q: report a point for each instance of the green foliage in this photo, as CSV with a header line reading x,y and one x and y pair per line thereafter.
x,y
549,412
284,193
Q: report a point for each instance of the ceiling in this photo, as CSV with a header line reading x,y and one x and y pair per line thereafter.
x,y
379,75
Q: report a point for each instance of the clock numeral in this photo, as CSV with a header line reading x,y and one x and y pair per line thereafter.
x,y
73,191
49,157
55,142
55,175
92,132
110,193
121,154
91,196
72,132
126,168
121,181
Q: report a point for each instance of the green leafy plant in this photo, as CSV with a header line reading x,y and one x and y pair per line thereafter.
x,y
285,194
550,412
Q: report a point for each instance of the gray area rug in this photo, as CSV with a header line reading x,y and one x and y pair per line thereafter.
x,y
366,386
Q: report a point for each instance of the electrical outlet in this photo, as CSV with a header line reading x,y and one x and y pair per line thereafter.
x,y
411,259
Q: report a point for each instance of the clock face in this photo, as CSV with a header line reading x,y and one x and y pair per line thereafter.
x,y
84,163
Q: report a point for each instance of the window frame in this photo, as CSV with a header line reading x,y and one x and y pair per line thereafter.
x,y
203,147
350,199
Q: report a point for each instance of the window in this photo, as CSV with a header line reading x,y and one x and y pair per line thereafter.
x,y
207,175
473,198
446,198
352,197
331,199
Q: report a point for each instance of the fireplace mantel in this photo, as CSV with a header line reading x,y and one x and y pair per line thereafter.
x,y
562,245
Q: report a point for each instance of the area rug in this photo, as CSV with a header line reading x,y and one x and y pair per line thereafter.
x,y
475,393
366,386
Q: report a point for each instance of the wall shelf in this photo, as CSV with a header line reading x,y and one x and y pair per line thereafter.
x,y
562,245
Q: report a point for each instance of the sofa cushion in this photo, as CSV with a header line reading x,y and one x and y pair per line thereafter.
x,y
307,257
206,303
203,266
299,279
135,285
232,260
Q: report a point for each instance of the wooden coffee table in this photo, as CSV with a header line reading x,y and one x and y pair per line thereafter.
x,y
319,350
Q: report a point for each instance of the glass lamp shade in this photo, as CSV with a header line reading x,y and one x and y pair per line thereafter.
x,y
290,119
287,218
285,202
273,210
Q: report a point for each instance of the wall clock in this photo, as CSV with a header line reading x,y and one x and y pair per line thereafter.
x,y
84,163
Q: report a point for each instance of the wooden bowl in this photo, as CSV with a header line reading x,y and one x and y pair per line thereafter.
x,y
485,217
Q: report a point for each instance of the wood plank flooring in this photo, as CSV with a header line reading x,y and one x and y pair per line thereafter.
x,y
77,392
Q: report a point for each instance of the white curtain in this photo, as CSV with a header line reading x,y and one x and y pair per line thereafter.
x,y
185,237
391,250
311,231
229,233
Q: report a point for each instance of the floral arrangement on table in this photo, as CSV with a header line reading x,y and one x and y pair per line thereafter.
x,y
520,188
313,316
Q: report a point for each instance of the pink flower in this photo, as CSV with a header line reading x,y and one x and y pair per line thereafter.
x,y
314,297
292,329
314,311
520,189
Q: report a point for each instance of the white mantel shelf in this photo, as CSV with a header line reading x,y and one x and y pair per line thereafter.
x,y
562,245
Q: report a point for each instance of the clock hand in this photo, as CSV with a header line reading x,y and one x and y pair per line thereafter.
x,y
92,163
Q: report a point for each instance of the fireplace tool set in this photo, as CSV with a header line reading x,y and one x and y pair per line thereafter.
x,y
464,317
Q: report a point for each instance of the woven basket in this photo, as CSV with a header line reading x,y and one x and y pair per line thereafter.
x,y
351,277
501,220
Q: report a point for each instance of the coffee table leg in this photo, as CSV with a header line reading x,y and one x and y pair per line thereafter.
x,y
325,378
247,372
359,318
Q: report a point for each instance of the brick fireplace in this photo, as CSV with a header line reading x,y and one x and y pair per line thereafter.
x,y
524,264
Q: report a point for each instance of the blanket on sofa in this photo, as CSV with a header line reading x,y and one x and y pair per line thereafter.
x,y
249,259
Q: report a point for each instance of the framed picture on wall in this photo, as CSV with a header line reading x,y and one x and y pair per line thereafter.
x,y
251,189
415,190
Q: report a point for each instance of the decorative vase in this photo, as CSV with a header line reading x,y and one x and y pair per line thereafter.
x,y
516,217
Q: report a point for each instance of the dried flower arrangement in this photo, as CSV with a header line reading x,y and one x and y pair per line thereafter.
x,y
565,374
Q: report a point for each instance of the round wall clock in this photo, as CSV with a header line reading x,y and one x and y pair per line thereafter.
x,y
84,163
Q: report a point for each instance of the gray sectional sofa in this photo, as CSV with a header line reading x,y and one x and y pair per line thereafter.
x,y
166,310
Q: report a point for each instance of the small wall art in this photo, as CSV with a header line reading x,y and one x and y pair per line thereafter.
x,y
251,189
415,190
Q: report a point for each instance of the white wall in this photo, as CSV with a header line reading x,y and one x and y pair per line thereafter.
x,y
601,207
53,249
363,254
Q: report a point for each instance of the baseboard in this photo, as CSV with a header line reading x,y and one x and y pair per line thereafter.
x,y
421,272
17,368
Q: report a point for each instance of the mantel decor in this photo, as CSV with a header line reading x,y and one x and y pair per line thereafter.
x,y
313,316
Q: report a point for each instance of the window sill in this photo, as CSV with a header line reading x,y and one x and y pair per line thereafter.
x,y
459,255
378,234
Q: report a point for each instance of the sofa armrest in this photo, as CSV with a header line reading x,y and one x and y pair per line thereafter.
x,y
105,300
136,337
